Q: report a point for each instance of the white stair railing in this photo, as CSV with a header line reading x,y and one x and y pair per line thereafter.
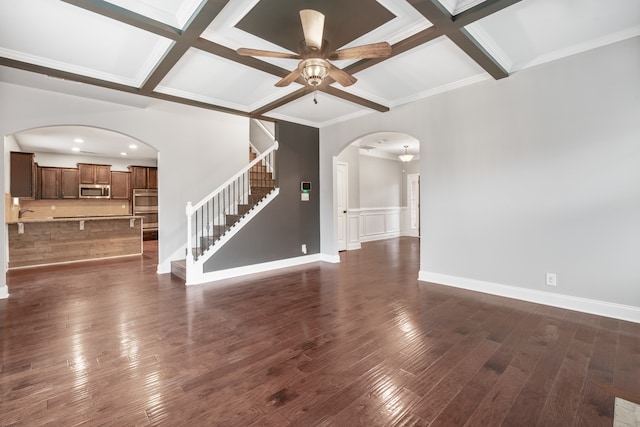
x,y
212,217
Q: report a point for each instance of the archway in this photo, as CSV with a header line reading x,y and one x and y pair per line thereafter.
x,y
60,160
372,189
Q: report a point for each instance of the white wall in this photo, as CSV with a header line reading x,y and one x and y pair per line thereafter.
x,y
351,156
380,182
198,149
535,173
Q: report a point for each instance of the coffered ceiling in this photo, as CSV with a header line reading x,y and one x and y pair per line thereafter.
x,y
185,50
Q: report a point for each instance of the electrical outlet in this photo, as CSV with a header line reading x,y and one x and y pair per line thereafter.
x,y
304,249
551,279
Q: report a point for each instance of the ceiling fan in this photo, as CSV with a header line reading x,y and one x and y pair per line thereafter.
x,y
314,54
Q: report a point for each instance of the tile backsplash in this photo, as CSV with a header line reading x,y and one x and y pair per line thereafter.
x,y
50,208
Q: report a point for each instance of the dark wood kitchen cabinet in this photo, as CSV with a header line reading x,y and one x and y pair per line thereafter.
x,y
49,182
152,178
69,183
120,185
57,183
94,174
22,175
144,177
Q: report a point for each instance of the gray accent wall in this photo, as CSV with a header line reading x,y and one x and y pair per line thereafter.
x,y
535,173
280,229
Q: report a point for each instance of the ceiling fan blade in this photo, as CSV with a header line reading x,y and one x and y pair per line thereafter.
x,y
257,52
341,76
312,27
374,50
289,78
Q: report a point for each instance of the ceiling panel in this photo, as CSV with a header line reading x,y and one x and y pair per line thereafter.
x,y
64,37
208,78
171,12
533,32
428,69
278,21
327,110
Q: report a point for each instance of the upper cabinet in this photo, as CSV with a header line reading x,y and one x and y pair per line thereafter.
x,y
144,177
49,183
152,178
120,185
29,180
57,183
23,175
69,183
94,174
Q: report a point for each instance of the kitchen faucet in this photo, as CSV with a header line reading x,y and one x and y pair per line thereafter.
x,y
23,211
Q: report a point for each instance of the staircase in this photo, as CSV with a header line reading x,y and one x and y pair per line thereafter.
x,y
214,220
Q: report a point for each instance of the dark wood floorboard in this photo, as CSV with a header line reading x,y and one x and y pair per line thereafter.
x,y
360,343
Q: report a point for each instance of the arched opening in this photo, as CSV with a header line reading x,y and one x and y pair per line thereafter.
x,y
71,171
377,192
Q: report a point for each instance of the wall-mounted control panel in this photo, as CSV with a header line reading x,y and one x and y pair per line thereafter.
x,y
305,189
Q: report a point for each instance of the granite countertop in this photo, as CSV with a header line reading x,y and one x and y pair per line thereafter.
x,y
72,218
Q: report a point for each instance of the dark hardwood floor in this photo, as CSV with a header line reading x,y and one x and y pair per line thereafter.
x,y
360,343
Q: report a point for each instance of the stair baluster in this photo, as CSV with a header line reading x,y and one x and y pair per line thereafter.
x,y
215,215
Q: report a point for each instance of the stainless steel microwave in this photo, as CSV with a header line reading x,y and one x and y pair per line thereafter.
x,y
94,191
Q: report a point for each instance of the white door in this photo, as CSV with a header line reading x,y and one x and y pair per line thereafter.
x,y
413,202
342,185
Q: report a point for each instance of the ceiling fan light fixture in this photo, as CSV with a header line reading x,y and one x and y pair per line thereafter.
x,y
314,70
406,157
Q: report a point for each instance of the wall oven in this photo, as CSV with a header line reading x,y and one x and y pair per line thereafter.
x,y
145,204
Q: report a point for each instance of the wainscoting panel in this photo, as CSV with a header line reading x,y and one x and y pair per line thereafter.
x,y
354,231
378,223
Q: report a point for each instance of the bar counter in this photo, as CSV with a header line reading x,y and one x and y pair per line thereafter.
x,y
55,240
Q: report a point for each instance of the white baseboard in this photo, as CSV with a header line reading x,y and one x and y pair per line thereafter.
x,y
164,268
585,305
4,292
214,276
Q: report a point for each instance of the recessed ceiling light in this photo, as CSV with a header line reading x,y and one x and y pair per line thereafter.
x,y
78,140
75,149
133,146
123,154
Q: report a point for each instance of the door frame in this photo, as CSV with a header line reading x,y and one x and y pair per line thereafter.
x,y
345,236
414,232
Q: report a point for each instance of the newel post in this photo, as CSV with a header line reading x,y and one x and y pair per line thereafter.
x,y
189,212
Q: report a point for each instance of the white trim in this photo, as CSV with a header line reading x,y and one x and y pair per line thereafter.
x,y
490,45
585,305
4,292
378,223
260,268
333,259
265,130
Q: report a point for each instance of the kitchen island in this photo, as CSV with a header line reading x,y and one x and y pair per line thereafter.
x,y
55,240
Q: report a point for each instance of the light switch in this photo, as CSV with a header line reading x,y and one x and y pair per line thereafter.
x,y
304,197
